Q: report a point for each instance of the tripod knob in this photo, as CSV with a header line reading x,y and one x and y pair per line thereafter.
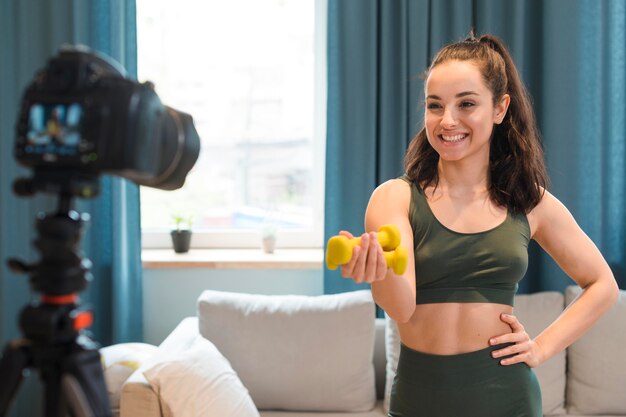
x,y
20,266
24,187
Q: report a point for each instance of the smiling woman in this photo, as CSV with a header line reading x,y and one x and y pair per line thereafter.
x,y
473,196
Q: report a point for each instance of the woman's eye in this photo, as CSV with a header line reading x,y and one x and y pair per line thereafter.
x,y
433,106
467,104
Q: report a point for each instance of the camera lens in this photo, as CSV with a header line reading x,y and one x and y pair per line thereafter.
x,y
180,147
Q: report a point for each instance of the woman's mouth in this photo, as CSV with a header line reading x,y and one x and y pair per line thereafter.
x,y
453,138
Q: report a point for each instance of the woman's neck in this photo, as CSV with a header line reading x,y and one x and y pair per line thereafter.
x,y
461,177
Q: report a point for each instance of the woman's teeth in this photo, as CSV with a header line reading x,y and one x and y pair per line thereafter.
x,y
455,138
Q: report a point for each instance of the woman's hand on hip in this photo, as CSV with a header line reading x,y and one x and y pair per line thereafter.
x,y
525,349
368,261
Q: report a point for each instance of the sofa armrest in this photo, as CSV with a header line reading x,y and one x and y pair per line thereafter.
x,y
138,398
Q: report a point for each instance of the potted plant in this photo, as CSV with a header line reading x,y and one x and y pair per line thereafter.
x,y
181,234
268,238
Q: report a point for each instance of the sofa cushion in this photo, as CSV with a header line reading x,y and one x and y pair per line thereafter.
x,y
535,312
377,411
596,378
198,381
294,352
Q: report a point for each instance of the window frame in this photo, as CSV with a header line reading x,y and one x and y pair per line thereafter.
x,y
313,237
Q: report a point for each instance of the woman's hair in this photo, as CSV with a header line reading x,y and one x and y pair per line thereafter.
x,y
517,173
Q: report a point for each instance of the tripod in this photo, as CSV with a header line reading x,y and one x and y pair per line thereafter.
x,y
55,341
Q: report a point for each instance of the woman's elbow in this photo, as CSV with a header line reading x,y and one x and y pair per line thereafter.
x,y
402,315
615,292
609,288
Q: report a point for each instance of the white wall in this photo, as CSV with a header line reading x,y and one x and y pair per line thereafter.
x,y
170,294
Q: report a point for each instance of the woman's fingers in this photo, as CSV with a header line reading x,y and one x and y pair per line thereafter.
x,y
516,349
367,263
508,338
346,234
372,254
525,349
381,267
513,322
359,268
355,268
347,270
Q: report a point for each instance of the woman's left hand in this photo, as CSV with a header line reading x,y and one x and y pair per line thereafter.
x,y
525,349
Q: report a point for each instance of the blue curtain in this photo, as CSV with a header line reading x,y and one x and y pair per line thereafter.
x,y
30,32
571,56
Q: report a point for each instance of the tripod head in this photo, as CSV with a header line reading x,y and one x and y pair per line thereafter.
x,y
61,273
62,270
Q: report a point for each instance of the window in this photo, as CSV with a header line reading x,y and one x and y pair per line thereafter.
x,y
252,75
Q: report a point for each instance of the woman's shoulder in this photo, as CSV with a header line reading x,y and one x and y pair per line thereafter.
x,y
395,186
545,205
391,201
396,191
546,211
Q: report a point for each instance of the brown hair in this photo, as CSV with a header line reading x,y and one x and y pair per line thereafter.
x,y
517,172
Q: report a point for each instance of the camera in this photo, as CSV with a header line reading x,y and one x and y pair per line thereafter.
x,y
81,116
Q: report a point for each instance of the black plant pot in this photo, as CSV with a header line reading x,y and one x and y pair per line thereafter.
x,y
181,239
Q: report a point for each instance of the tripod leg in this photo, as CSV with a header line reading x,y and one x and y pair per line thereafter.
x,y
12,364
85,391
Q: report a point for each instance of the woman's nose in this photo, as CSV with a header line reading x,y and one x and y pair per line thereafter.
x,y
448,119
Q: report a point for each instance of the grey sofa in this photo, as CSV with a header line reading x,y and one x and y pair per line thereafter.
x,y
589,379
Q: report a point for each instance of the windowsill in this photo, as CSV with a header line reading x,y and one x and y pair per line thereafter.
x,y
233,259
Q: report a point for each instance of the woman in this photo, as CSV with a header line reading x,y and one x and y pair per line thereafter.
x,y
472,198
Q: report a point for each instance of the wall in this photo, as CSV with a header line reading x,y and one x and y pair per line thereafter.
x,y
170,294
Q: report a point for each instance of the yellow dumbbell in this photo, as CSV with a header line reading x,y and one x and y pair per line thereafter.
x,y
397,259
339,248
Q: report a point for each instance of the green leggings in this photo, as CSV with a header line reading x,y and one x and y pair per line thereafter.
x,y
469,384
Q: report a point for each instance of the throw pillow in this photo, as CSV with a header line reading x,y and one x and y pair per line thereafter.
x,y
535,312
293,352
119,362
596,366
392,345
199,382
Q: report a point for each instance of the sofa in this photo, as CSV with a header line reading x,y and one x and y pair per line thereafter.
x,y
265,343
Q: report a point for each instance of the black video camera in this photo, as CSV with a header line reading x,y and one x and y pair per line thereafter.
x,y
81,117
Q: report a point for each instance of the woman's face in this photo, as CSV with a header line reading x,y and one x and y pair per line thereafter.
x,y
460,114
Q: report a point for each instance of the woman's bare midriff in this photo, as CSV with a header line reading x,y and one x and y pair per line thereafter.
x,y
453,328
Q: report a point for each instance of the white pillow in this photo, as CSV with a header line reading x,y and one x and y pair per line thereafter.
x,y
293,352
596,378
119,362
197,382
392,349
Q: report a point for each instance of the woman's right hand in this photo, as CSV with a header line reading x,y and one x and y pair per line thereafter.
x,y
368,261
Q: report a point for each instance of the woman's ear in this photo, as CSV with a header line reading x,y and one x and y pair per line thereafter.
x,y
501,108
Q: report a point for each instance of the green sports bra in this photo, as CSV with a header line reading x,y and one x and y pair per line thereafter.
x,y
482,267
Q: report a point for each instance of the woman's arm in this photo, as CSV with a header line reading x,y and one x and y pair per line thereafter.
x,y
389,204
560,236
